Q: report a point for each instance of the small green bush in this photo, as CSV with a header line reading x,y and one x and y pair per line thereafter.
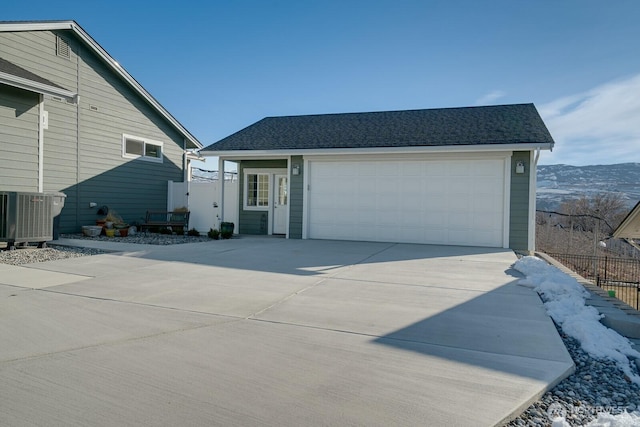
x,y
226,234
193,232
213,234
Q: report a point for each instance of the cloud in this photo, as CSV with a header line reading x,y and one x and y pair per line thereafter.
x,y
490,97
600,126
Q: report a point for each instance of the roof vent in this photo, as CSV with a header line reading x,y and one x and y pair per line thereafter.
x,y
62,48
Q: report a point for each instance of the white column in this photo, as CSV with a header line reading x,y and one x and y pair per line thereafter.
x,y
221,181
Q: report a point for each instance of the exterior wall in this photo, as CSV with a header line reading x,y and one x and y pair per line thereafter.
x,y
296,191
83,144
519,207
18,139
254,222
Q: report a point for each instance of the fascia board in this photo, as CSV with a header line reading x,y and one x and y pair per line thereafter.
x,y
242,154
31,86
35,26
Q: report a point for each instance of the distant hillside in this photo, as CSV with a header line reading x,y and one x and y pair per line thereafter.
x,y
560,183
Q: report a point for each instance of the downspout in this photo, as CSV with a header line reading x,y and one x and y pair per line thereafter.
x,y
42,125
533,169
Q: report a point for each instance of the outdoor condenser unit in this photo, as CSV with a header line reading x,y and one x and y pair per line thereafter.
x,y
26,217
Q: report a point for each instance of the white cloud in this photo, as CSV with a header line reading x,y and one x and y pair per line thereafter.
x,y
600,126
490,97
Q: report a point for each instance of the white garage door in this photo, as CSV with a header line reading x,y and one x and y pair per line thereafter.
x,y
451,202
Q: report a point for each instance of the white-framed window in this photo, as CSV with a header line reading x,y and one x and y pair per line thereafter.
x,y
256,190
135,147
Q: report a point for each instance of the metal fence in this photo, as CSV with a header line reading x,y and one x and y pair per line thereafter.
x,y
618,276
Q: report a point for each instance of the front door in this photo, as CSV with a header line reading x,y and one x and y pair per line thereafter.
x,y
280,195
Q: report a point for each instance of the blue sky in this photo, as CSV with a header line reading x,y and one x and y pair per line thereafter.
x,y
219,66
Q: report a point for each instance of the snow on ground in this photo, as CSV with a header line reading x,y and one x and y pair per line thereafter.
x,y
564,299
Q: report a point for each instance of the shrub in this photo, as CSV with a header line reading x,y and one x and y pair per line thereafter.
x,y
226,234
214,234
193,232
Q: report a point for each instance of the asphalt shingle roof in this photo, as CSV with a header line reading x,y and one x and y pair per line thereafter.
x,y
15,70
501,124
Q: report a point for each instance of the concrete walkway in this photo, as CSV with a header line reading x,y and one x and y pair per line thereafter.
x,y
259,331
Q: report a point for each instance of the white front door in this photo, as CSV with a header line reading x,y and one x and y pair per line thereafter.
x,y
280,196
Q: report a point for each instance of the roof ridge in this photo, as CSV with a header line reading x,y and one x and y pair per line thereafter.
x,y
399,111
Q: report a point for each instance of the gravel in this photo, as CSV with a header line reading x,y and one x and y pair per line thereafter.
x,y
31,254
596,386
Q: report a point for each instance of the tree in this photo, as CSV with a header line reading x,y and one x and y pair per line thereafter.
x,y
608,208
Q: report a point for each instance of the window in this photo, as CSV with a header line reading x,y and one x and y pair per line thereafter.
x,y
134,147
256,190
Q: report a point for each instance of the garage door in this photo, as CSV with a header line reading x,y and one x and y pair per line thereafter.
x,y
451,202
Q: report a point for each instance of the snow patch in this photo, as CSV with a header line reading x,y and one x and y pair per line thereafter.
x,y
564,299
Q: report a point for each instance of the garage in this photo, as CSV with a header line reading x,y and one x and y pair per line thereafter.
x,y
449,201
445,176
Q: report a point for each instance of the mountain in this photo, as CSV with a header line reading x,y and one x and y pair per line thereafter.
x,y
560,183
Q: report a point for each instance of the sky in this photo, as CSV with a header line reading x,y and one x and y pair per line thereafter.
x,y
220,65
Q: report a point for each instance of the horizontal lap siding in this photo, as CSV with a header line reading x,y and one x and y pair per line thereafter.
x,y
296,190
129,186
18,140
519,209
83,148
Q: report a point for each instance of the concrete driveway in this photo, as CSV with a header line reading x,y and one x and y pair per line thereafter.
x,y
267,331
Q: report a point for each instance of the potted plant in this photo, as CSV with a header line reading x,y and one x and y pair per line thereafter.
x,y
122,228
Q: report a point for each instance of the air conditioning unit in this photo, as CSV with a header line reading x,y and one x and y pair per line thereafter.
x,y
26,217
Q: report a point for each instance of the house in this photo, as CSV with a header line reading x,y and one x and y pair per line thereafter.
x,y
629,228
73,120
452,176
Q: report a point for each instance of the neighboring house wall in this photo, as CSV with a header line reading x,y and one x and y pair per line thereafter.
x,y
296,191
254,221
519,202
83,143
19,143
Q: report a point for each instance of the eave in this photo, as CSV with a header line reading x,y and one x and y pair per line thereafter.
x,y
247,154
32,86
629,228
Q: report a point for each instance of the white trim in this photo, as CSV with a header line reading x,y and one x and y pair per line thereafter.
x,y
257,172
112,63
286,236
221,201
533,184
415,156
41,88
41,127
279,154
305,198
144,141
506,207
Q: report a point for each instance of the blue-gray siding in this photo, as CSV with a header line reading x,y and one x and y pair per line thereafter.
x,y
19,141
519,209
83,144
296,191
